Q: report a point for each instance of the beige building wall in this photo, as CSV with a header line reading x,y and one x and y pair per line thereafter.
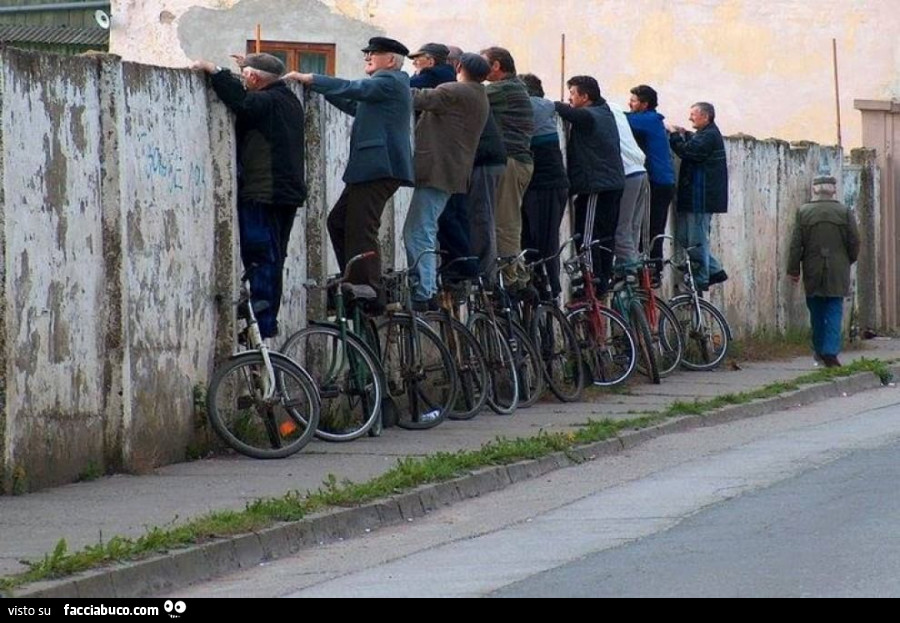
x,y
766,64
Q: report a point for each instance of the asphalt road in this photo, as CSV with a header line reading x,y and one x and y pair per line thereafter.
x,y
798,503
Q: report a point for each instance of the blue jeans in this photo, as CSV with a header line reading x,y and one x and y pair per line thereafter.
x,y
826,315
265,230
692,230
420,234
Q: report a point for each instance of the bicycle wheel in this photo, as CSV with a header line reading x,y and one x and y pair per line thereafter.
x,y
527,363
257,418
706,333
419,372
668,341
503,397
471,369
607,346
348,377
560,354
644,340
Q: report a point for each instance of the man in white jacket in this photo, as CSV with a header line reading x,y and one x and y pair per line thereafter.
x,y
635,198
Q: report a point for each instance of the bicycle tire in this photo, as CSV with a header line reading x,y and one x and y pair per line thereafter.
x,y
560,353
610,357
637,318
423,391
528,364
503,397
668,340
249,423
348,376
707,335
471,368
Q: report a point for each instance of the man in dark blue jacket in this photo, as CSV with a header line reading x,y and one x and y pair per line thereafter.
x,y
702,189
271,186
381,158
432,69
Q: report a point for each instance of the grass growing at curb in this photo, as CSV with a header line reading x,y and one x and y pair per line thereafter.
x,y
406,475
699,407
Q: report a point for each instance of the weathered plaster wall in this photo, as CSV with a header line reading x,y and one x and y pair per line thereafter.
x,y
766,65
768,182
53,266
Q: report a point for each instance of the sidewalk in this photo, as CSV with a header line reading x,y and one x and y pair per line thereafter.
x,y
90,512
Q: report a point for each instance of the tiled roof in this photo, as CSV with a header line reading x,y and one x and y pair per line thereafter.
x,y
64,35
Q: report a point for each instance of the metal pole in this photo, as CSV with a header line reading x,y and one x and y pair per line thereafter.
x,y
562,70
837,92
59,6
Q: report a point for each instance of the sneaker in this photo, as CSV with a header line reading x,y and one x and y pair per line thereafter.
x,y
831,361
430,416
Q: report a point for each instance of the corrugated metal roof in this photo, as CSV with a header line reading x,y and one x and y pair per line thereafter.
x,y
64,35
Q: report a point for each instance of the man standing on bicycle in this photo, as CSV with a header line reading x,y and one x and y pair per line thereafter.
x,y
271,186
380,152
451,119
824,243
702,189
596,172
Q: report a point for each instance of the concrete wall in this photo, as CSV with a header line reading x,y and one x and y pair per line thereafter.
x,y
767,65
113,248
119,263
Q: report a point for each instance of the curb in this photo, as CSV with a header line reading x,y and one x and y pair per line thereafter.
x,y
199,563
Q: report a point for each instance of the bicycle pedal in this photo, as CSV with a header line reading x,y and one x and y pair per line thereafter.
x,y
245,402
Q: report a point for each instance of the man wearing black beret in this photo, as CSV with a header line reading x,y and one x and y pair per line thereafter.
x,y
381,158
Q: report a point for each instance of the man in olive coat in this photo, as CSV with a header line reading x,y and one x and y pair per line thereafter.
x,y
447,134
825,243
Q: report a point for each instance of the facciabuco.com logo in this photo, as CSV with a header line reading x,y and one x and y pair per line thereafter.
x,y
175,609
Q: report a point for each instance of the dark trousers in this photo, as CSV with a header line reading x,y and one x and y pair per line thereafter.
x,y
542,214
265,230
353,226
596,218
453,236
660,200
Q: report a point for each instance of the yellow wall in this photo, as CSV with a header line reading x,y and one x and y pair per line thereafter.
x,y
765,64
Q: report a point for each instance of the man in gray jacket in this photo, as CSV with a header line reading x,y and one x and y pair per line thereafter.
x,y
824,243
447,133
380,151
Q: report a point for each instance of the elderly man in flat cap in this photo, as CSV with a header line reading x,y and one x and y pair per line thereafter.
x,y
432,68
824,244
271,182
380,152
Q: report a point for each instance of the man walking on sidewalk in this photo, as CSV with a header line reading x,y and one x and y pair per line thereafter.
x,y
825,243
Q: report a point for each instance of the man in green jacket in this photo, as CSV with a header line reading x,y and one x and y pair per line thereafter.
x,y
825,243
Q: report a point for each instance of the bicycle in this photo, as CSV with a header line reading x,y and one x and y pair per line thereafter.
x,y
261,403
503,397
555,337
342,357
471,367
509,319
665,330
419,371
706,332
625,300
608,349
